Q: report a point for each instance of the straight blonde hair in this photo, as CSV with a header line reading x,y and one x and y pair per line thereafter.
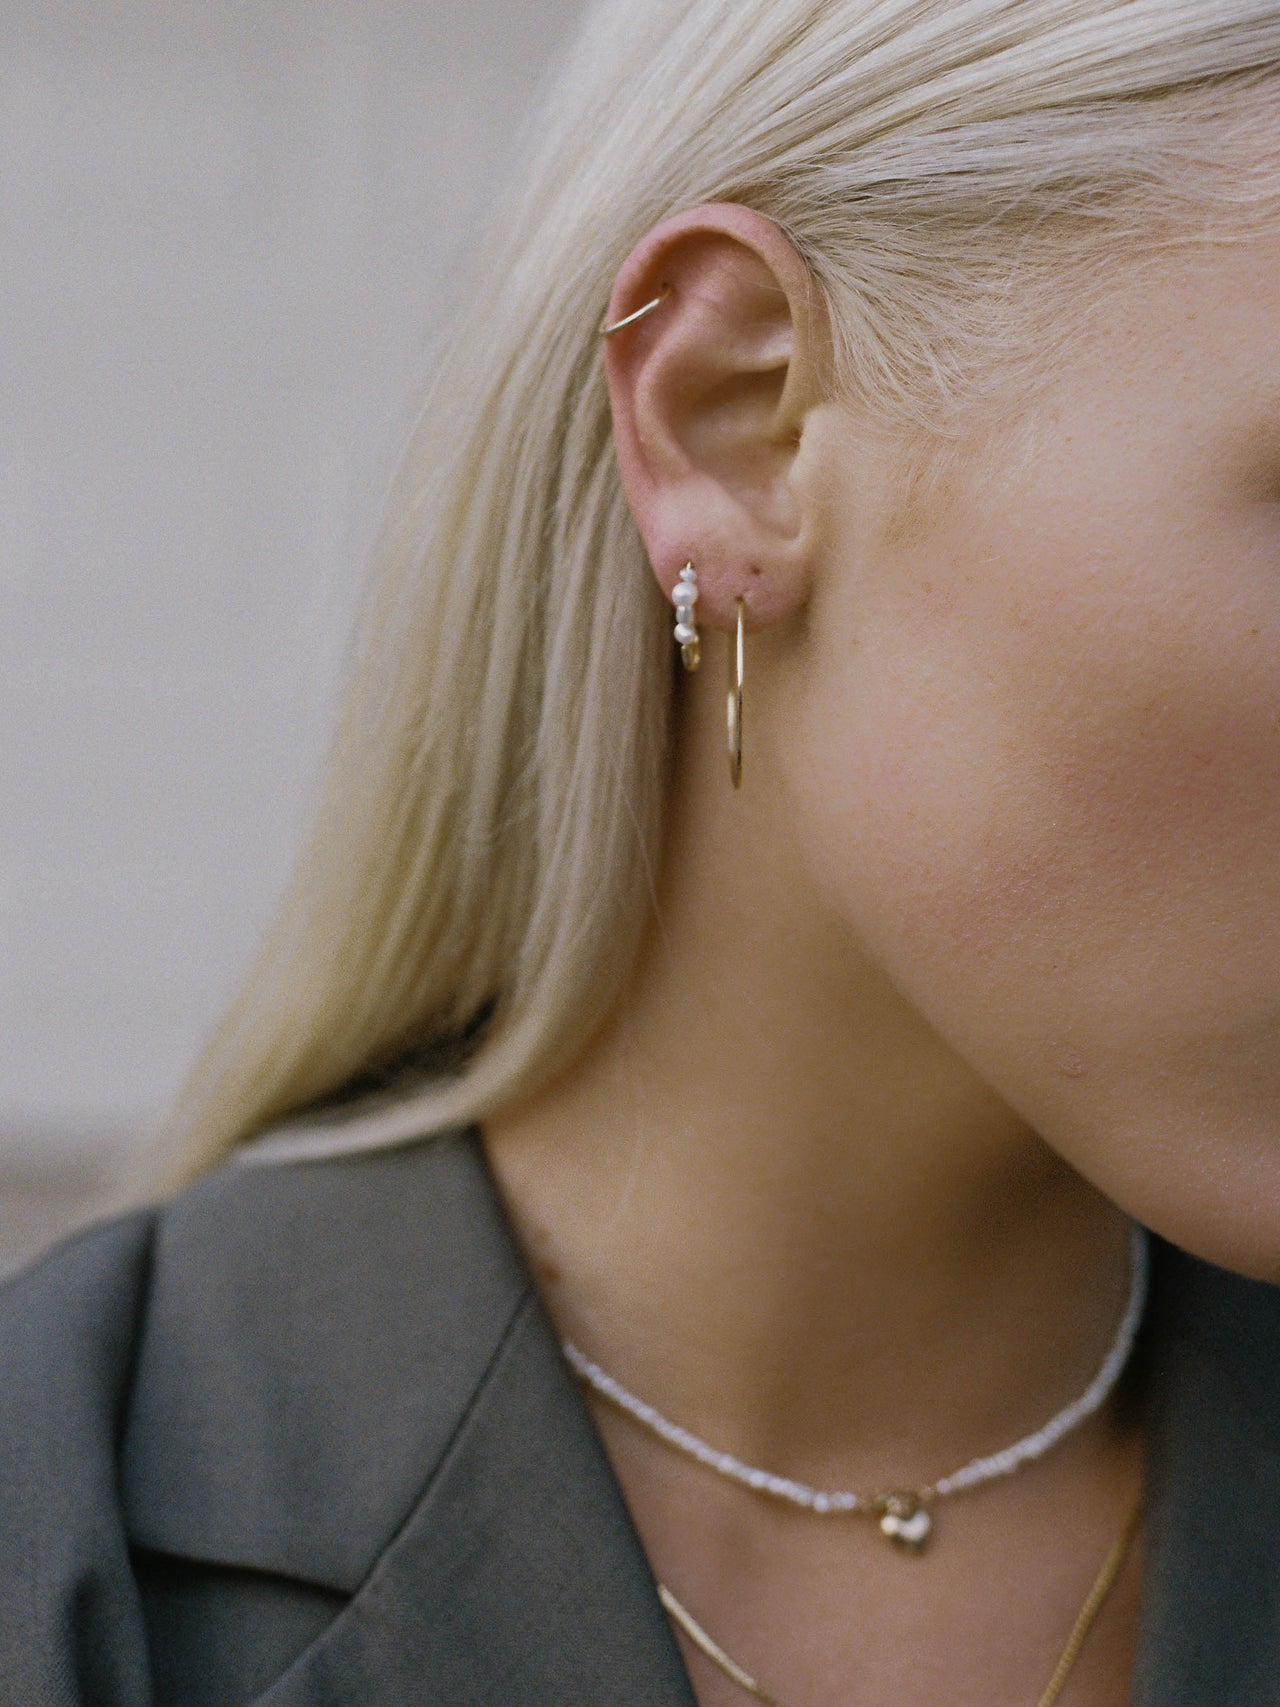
x,y
483,857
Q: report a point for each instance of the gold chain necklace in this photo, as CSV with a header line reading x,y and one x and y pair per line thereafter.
x,y
1102,1586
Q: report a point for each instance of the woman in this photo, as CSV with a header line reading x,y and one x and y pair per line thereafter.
x,y
717,1157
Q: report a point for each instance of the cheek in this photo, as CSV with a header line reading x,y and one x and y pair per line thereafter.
x,y
1100,823
1052,811
1068,732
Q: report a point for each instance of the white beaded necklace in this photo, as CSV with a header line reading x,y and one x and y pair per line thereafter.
x,y
903,1513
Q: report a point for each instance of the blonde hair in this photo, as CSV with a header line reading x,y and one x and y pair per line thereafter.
x,y
482,861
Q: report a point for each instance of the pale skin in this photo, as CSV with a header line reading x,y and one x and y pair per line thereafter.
x,y
981,962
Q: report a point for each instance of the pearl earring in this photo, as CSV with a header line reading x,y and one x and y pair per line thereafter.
x,y
684,596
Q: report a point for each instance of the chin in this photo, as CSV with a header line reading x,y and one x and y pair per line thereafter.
x,y
1199,1172
1216,1197
1245,1242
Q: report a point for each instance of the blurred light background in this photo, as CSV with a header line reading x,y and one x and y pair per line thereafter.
x,y
228,234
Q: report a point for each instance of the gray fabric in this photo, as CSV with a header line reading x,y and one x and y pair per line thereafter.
x,y
71,1625
517,1580
314,1334
305,1439
243,1628
1211,1613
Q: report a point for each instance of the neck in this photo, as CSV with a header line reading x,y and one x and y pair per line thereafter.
x,y
774,1203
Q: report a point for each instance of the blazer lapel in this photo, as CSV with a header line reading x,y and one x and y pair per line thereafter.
x,y
345,1378
314,1333
517,1578
1210,1624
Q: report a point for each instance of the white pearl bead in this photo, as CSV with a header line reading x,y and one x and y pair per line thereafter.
x,y
685,593
684,634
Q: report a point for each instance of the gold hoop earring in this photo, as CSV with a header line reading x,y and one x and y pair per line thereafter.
x,y
737,657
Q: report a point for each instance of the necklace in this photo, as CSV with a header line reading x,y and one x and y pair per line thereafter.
x,y
1102,1586
903,1513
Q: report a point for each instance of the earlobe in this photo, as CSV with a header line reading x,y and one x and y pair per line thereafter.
x,y
710,362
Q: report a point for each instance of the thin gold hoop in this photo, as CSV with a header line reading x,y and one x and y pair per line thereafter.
x,y
607,331
737,658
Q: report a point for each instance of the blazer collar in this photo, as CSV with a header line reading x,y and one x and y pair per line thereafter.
x,y
315,1334
517,1577
347,1378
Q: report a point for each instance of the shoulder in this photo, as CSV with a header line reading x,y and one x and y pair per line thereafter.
x,y
67,1326
68,1335
189,1380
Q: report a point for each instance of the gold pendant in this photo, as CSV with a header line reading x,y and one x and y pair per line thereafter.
x,y
905,1521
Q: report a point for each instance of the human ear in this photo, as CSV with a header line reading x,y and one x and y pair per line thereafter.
x,y
710,392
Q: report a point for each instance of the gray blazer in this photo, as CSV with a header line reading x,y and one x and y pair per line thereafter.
x,y
304,1438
